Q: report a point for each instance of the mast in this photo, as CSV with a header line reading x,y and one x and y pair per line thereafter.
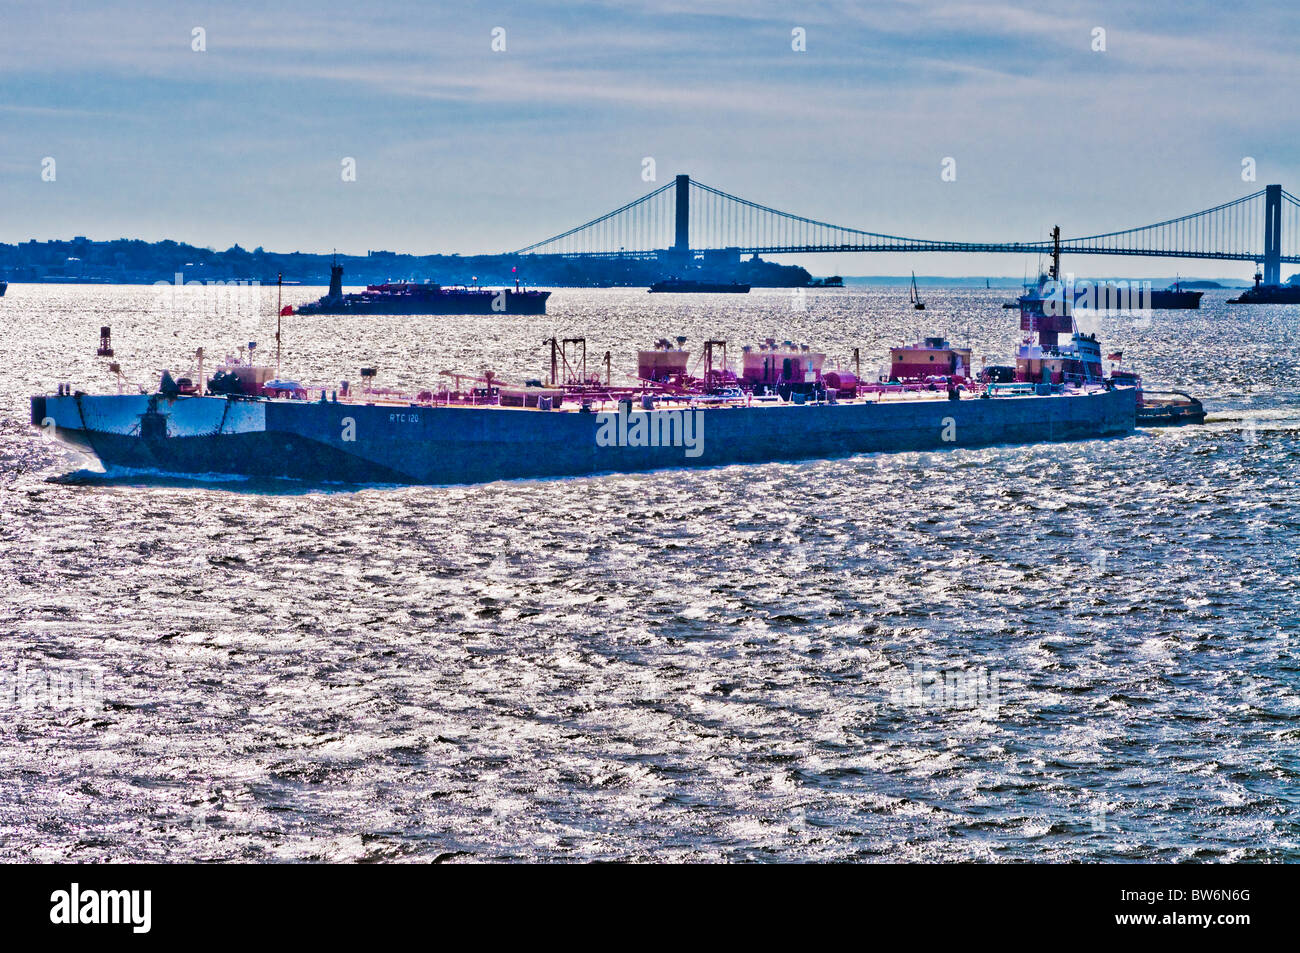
x,y
279,282
1067,294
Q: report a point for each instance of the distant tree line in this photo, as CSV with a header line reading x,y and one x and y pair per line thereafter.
x,y
131,261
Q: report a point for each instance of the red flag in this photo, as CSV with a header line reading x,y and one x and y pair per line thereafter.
x,y
1115,356
286,310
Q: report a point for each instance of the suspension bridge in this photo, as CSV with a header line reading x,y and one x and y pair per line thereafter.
x,y
685,219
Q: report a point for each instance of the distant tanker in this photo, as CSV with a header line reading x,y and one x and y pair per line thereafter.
x,y
406,297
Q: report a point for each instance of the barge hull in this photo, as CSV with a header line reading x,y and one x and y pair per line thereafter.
x,y
370,443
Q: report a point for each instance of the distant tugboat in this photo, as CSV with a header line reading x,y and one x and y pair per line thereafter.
x,y
915,296
1268,294
688,286
406,297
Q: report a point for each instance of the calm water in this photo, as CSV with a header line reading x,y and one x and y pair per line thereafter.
x,y
726,664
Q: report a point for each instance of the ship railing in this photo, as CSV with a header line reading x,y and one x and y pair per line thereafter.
x,y
1012,389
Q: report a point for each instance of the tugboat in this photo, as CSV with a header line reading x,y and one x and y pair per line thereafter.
x,y
1268,294
1049,313
1049,362
689,286
406,297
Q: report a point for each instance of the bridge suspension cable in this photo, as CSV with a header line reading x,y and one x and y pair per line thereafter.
x,y
1231,230
780,230
645,220
685,216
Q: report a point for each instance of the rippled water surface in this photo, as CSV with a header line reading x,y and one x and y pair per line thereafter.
x,y
721,664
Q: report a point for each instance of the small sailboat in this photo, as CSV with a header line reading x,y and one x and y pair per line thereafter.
x,y
915,296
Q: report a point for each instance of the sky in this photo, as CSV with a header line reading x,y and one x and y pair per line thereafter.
x,y
462,148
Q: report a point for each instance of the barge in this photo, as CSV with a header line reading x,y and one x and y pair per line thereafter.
x,y
389,441
779,403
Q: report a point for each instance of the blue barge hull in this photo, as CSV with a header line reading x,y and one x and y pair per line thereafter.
x,y
389,443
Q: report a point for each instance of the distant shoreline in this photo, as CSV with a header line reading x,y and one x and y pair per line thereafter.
x,y
883,281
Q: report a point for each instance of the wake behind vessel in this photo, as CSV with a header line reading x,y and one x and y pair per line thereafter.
x,y
406,297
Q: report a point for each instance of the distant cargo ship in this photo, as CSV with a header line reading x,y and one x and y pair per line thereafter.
x,y
1062,298
1268,294
687,286
407,297
1175,298
834,281
1115,296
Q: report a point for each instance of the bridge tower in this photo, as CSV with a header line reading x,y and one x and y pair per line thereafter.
x,y
682,244
1273,235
